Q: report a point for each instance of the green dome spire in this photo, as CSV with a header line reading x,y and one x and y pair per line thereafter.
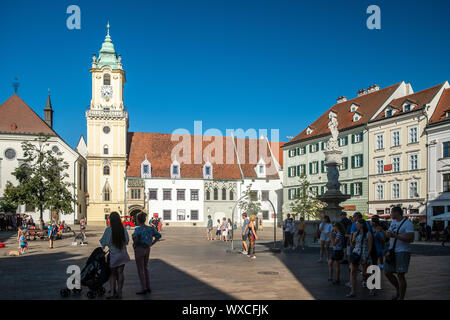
x,y
107,55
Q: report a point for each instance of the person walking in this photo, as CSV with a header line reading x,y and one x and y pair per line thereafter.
x,y
400,235
116,239
378,241
143,238
301,233
51,233
224,229
252,237
337,237
209,228
218,231
287,227
360,255
230,228
325,229
245,231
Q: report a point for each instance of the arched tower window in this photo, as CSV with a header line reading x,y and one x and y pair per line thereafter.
x,y
216,194
224,194
105,149
106,192
107,79
106,170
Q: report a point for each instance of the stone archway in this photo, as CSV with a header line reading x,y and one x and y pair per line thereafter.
x,y
134,210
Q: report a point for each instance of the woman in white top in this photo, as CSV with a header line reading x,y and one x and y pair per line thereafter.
x,y
116,239
225,229
325,228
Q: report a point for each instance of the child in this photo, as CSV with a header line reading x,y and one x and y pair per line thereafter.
x,y
19,234
337,240
218,231
51,234
23,244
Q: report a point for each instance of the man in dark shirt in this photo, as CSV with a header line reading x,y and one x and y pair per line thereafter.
x,y
347,223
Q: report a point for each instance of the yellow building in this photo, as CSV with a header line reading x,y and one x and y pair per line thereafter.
x,y
398,153
107,126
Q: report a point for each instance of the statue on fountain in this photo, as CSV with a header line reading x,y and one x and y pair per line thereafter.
x,y
333,196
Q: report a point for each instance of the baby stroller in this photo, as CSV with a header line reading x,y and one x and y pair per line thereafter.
x,y
95,273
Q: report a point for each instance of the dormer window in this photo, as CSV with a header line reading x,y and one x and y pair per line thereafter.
x,y
146,168
389,112
207,171
353,107
260,169
107,79
308,131
447,114
175,170
356,117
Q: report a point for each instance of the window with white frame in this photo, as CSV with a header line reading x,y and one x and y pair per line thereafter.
x,y
395,190
207,171
413,161
357,161
357,188
181,194
194,195
380,142
181,214
446,183
314,167
194,214
396,138
396,164
380,191
146,169
413,135
167,215
135,194
175,170
380,166
413,189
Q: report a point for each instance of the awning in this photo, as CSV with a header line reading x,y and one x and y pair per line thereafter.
x,y
442,217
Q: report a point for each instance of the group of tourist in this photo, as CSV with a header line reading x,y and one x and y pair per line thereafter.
x,y
290,226
362,243
116,239
11,222
224,229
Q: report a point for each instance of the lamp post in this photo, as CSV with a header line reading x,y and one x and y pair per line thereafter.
x,y
232,221
274,248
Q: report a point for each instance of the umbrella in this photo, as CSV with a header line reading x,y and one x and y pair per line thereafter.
x,y
442,217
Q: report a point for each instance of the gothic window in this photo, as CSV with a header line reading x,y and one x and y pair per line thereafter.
x,y
105,149
106,192
208,195
107,79
224,194
216,194
231,195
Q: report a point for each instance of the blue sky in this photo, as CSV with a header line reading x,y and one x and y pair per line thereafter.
x,y
232,64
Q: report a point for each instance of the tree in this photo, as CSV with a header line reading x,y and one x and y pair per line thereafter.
x,y
250,203
305,203
41,179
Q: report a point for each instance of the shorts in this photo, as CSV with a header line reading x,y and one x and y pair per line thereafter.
x,y
218,233
401,263
325,236
337,255
23,246
300,232
225,232
245,237
208,230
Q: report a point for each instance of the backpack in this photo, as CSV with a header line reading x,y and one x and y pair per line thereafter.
x,y
145,238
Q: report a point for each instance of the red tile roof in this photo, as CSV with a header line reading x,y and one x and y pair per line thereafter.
x,y
158,148
420,98
442,107
368,104
17,117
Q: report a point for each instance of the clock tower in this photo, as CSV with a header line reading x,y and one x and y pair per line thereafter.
x,y
107,127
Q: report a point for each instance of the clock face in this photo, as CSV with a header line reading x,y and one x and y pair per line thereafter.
x,y
107,92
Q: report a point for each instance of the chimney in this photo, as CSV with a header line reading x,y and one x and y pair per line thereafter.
x,y
362,92
341,99
48,111
373,88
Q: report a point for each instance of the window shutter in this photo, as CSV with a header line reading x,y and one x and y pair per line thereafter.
x,y
360,188
310,148
346,140
353,138
297,171
304,149
353,161
322,189
361,136
352,189
322,163
317,146
310,168
323,145
361,158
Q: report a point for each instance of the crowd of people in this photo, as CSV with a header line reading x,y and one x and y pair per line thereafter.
x,y
11,222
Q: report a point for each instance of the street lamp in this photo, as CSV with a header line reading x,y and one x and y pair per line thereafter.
x,y
232,221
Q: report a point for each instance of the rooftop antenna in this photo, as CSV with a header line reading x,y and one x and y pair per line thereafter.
x,y
16,85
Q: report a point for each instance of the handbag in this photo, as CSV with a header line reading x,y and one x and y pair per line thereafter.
x,y
390,255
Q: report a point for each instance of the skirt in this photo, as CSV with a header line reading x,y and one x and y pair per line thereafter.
x,y
325,236
119,258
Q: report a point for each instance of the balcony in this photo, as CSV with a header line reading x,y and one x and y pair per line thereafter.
x,y
108,114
